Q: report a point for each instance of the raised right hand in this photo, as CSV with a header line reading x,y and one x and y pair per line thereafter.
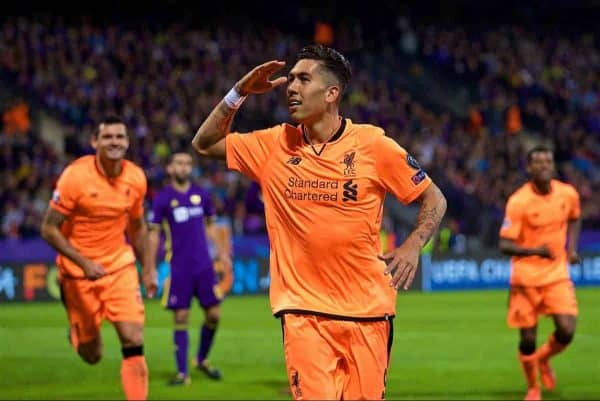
x,y
92,270
257,80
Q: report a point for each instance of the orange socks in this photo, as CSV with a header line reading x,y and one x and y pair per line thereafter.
x,y
550,348
530,369
134,377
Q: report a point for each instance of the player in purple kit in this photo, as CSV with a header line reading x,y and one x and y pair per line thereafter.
x,y
185,212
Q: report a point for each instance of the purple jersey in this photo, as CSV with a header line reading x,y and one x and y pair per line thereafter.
x,y
184,213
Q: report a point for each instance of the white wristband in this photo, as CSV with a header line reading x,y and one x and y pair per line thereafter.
x,y
233,99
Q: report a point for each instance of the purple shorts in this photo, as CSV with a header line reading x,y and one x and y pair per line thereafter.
x,y
184,285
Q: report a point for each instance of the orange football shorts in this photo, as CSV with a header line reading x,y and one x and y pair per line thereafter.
x,y
115,297
329,359
526,303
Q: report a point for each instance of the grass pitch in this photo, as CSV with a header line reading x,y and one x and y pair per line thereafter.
x,y
447,346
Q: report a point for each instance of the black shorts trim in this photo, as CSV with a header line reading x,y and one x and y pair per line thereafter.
x,y
390,339
383,318
282,328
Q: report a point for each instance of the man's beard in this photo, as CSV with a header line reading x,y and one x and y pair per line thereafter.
x,y
182,180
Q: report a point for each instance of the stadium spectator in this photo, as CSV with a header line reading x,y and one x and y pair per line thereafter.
x,y
548,77
16,118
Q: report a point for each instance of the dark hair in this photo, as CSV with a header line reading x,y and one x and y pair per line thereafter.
x,y
176,152
537,149
109,119
333,61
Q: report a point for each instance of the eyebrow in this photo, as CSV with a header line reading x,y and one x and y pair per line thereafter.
x,y
113,133
300,74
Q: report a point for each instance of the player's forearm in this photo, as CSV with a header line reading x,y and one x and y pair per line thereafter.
x,y
510,248
140,240
224,239
153,241
57,240
216,126
211,232
573,231
221,248
433,208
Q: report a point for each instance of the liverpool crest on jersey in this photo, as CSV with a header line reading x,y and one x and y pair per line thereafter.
x,y
350,164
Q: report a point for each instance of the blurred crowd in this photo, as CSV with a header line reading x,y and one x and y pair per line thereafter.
x,y
537,86
163,82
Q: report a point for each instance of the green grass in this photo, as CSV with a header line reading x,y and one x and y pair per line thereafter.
x,y
447,346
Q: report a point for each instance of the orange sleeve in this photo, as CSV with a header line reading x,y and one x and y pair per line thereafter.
x,y
513,220
137,210
398,172
248,153
575,212
66,193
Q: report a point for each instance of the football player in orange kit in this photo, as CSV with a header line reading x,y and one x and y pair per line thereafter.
x,y
323,183
540,230
97,201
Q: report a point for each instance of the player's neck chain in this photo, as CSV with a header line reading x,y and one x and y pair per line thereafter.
x,y
331,135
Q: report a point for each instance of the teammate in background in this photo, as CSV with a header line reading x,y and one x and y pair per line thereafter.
x,y
98,199
323,183
183,208
222,241
541,218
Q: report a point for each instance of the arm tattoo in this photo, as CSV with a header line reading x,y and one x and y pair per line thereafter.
x,y
433,208
54,218
216,126
225,118
427,222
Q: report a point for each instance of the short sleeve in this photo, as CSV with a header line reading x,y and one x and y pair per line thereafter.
x,y
575,211
399,172
157,213
137,209
248,153
513,220
66,193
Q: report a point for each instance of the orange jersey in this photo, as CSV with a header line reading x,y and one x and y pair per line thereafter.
x,y
98,211
532,220
323,214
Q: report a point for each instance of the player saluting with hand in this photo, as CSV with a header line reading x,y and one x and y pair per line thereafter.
x,y
323,183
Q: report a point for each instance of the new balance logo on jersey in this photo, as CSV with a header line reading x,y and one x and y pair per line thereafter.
x,y
294,160
350,191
